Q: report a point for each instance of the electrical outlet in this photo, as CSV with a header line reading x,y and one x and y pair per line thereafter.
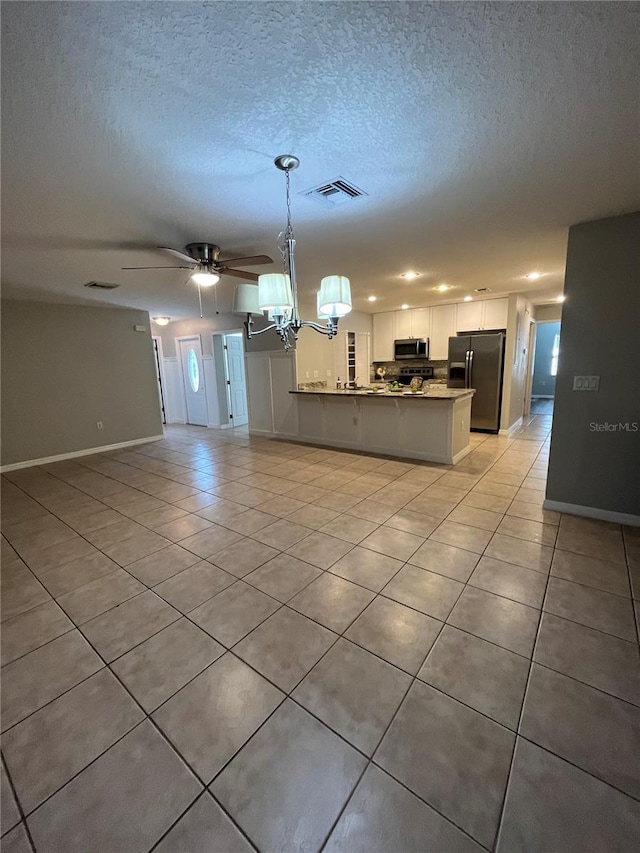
x,y
586,383
99,424
306,374
328,374
315,374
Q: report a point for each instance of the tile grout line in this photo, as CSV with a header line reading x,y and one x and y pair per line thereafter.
x,y
405,563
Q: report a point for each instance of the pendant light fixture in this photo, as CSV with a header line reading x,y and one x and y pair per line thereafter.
x,y
277,293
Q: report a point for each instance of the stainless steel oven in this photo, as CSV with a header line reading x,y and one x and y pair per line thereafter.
x,y
411,348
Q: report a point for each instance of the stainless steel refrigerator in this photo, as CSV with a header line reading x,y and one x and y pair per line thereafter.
x,y
477,361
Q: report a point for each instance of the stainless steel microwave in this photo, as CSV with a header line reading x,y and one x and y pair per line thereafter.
x,y
411,348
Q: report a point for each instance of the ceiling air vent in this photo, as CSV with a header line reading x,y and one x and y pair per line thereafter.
x,y
101,285
483,290
334,193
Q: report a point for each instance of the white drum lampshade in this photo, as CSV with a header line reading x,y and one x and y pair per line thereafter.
x,y
274,290
321,314
245,299
335,296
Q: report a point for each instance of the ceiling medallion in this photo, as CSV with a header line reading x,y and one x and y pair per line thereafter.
x,y
277,293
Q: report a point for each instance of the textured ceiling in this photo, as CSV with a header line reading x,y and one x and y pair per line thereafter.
x,y
480,132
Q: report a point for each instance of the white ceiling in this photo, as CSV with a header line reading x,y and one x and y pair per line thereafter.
x,y
480,131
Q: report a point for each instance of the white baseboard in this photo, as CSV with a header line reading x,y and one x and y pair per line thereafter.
x,y
61,457
593,512
176,421
508,432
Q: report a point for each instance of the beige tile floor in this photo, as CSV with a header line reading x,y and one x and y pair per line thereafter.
x,y
223,643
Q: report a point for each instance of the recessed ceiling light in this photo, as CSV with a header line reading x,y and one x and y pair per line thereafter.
x,y
468,298
560,298
533,276
371,298
161,321
404,307
410,275
441,288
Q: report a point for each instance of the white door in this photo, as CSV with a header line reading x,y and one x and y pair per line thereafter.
x,y
236,379
193,380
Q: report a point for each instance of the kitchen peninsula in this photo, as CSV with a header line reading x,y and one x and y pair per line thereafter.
x,y
433,427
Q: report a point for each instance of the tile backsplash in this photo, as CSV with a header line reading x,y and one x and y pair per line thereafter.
x,y
393,369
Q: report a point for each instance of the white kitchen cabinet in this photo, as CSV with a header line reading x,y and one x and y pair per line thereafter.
x,y
383,336
421,322
412,323
443,327
495,313
469,316
481,315
402,320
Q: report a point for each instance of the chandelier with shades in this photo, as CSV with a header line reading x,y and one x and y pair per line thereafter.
x,y
277,293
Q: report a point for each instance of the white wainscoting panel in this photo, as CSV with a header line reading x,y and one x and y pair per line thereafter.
x,y
270,377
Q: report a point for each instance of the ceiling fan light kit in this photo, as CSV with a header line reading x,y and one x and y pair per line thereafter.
x,y
205,279
203,260
277,293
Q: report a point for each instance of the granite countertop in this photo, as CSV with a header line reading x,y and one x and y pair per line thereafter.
x,y
435,392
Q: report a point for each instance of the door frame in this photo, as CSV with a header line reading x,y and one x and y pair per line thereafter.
x,y
178,341
531,359
157,342
222,369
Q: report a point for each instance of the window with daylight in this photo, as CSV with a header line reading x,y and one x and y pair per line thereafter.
x,y
193,371
554,355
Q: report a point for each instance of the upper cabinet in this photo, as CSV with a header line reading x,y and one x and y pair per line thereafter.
x,y
412,323
495,313
420,322
469,316
443,326
478,316
402,320
438,323
383,336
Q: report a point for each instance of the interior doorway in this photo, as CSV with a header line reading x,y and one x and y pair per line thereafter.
x,y
545,367
190,350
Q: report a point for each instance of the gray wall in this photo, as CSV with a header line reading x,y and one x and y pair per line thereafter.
x,y
600,333
544,384
65,367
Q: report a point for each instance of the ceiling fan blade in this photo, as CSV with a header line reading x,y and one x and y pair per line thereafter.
x,y
156,268
181,255
247,276
251,260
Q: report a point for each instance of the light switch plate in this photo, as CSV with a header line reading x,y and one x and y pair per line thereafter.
x,y
586,383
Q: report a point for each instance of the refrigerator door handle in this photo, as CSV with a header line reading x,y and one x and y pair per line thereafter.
x,y
470,385
466,370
